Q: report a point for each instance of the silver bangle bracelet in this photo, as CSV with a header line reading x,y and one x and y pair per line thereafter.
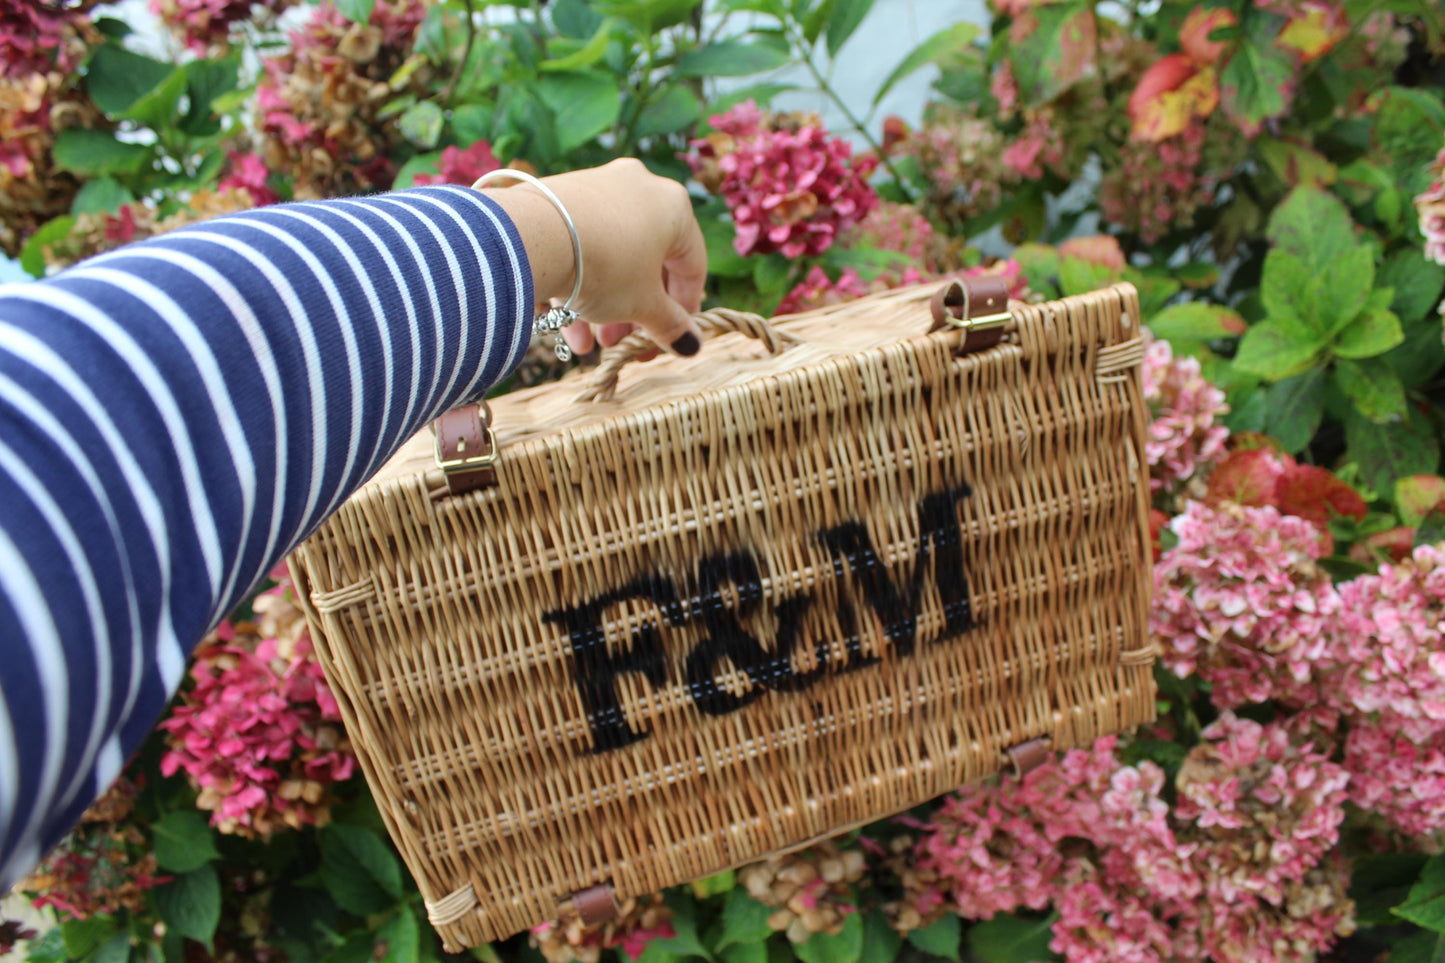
x,y
554,319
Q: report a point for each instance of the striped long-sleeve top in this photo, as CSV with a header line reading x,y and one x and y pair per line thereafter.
x,y
178,414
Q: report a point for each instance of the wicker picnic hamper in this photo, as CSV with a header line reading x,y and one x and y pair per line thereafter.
x,y
824,571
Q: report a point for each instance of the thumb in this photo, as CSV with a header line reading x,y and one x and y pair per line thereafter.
x,y
669,324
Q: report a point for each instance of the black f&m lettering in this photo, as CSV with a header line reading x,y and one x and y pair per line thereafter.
x,y
725,638
896,603
596,670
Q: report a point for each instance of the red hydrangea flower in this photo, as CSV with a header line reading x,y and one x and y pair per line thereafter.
x,y
203,25
40,36
457,166
248,173
790,187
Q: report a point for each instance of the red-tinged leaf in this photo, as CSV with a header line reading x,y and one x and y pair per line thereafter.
x,y
1194,33
1417,495
1169,96
1315,494
1315,32
1247,477
1157,522
1100,249
1257,84
1395,544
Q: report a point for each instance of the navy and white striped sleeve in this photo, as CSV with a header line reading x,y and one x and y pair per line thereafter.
x,y
178,414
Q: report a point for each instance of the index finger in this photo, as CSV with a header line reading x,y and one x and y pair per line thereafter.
x,y
686,265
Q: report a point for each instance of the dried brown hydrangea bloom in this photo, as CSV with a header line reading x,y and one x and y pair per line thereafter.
x,y
34,108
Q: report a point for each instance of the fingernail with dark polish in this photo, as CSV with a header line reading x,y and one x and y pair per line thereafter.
x,y
687,345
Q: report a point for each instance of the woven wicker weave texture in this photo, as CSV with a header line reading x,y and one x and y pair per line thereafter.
x,y
753,601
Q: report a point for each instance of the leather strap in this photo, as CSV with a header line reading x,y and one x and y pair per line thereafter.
x,y
965,299
593,905
1025,757
463,433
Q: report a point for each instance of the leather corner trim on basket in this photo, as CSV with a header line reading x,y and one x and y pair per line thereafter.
x,y
452,907
466,448
593,905
1025,757
969,299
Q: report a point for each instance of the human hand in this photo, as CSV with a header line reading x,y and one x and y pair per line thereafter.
x,y
643,256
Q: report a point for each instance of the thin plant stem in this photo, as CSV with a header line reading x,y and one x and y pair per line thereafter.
x,y
466,55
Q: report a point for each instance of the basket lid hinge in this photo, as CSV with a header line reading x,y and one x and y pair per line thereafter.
x,y
466,448
978,306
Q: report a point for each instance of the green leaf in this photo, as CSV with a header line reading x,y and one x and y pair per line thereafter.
x,y
357,11
685,940
1417,283
845,18
944,42
574,18
420,164
1420,356
1372,333
745,953
770,273
1385,453
940,938
1195,321
843,948
82,936
94,152
206,82
1290,290
1313,226
1077,276
648,16
1431,530
1275,350
182,841
744,919
359,869
191,904
104,195
403,938
584,103
1295,408
1418,946
730,58
586,55
881,942
1253,85
1346,283
115,950
471,123
723,260
1011,939
1373,387
422,124
675,110
118,80
32,256
1425,906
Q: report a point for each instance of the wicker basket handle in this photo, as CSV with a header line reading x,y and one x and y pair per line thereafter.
x,y
714,322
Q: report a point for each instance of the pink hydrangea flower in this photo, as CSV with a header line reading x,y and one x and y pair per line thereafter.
x,y
1431,207
457,166
1398,779
1241,600
259,733
1157,187
1390,647
790,189
1038,147
248,173
1186,434
1265,808
893,227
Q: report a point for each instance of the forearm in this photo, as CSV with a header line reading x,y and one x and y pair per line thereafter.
x,y
175,416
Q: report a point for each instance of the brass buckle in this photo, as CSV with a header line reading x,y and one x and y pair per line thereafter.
x,y
985,322
486,459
